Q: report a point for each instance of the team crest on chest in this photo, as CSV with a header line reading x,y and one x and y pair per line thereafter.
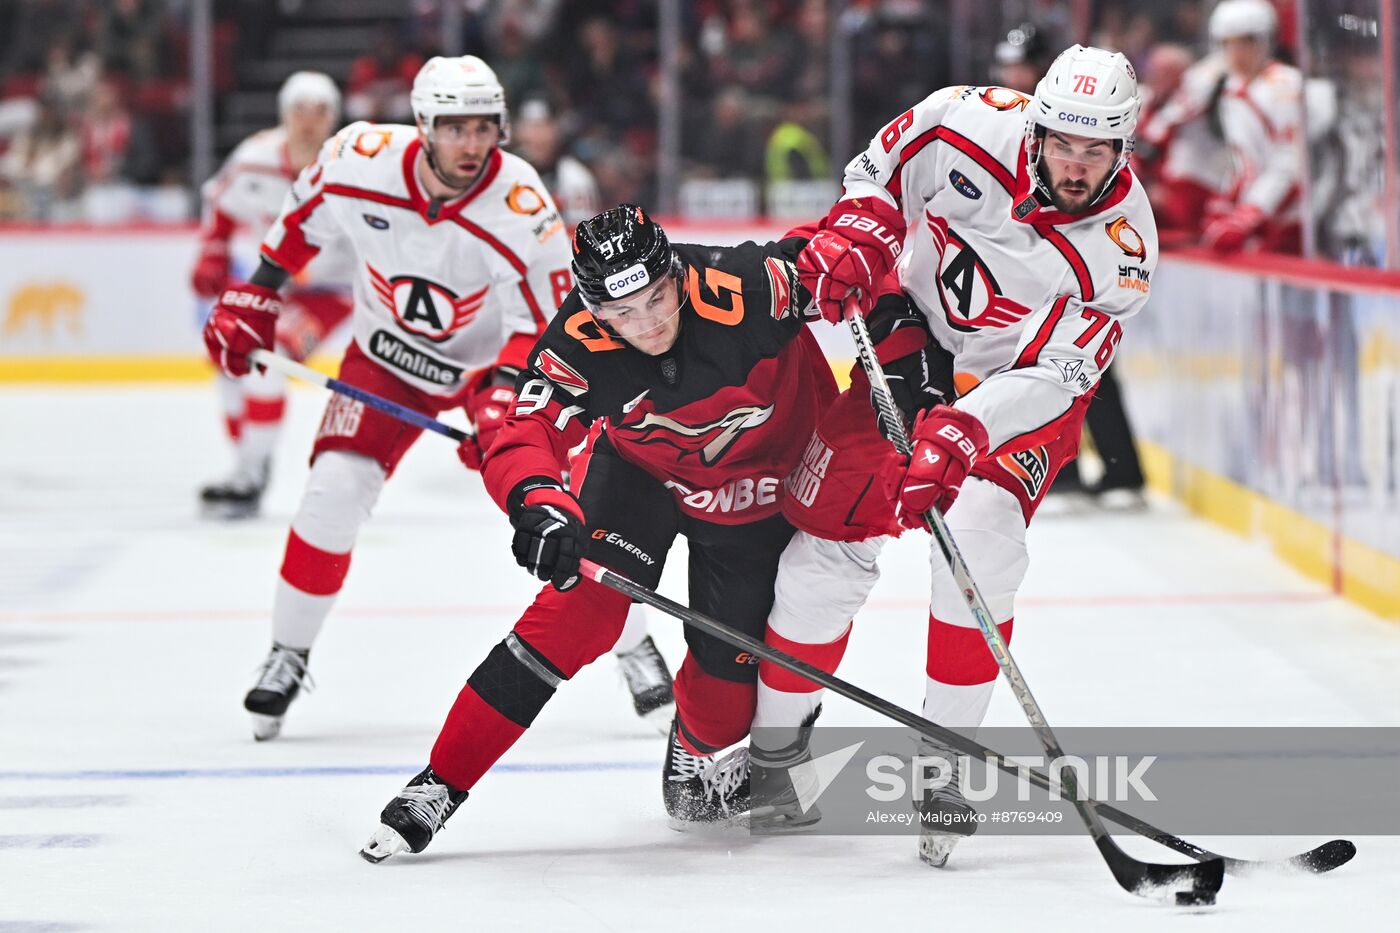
x,y
423,307
968,291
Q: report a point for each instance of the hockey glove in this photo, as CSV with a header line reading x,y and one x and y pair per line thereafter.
x,y
947,445
244,320
487,408
1229,233
860,240
919,371
549,531
211,270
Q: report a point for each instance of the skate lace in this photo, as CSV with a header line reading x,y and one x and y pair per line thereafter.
x,y
281,670
726,776
429,803
952,791
642,668
685,766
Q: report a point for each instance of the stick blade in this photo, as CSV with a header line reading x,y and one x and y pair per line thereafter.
x,y
1318,861
1198,882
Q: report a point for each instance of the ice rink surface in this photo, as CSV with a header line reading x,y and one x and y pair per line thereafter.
x,y
133,797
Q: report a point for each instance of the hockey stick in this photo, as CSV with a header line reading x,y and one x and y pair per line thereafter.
x,y
306,374
1321,859
1133,875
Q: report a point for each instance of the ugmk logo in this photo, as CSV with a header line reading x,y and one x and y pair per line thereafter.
x,y
710,441
424,307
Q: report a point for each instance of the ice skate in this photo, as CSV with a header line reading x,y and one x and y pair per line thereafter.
x,y
409,821
698,789
238,495
644,671
1121,499
279,681
783,791
945,816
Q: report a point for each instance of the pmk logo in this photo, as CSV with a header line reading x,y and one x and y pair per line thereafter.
x,y
709,441
424,307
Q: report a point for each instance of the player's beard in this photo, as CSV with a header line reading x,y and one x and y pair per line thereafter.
x,y
454,180
1071,196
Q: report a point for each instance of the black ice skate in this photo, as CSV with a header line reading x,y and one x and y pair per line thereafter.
x,y
945,816
409,821
279,681
783,792
644,670
238,495
697,789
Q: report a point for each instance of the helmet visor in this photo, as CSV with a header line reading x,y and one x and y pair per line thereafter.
x,y
641,313
1093,153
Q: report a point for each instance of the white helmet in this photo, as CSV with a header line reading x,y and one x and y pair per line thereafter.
x,y
309,86
462,86
1233,18
1087,92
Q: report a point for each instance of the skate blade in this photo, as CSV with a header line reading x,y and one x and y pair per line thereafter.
x,y
660,718
224,512
776,821
266,728
934,848
384,843
719,827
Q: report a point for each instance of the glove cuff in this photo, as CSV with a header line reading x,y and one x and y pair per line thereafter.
x,y
542,490
250,297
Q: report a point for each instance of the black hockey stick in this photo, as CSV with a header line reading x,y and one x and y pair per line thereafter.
x,y
1321,859
1132,874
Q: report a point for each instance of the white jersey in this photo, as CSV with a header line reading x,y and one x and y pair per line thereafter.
x,y
440,287
246,196
1032,302
575,190
1263,123
1180,127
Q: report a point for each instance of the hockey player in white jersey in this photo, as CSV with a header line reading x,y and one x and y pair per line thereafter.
x,y
240,203
1261,115
1015,225
460,260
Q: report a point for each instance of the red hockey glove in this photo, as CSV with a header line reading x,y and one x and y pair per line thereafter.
x,y
244,320
1229,233
947,444
549,531
211,270
860,240
487,408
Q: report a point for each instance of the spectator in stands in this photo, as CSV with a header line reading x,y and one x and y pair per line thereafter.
x,y
42,167
516,62
755,58
733,145
69,75
536,138
34,27
380,82
1021,58
607,85
130,36
118,153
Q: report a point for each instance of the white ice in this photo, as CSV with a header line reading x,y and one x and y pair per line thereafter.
x,y
133,797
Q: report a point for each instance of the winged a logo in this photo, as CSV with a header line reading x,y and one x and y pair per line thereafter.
x,y
423,307
709,441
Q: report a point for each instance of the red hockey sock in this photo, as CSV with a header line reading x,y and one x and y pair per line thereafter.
x,y
824,656
233,424
959,655
473,738
312,570
263,411
712,713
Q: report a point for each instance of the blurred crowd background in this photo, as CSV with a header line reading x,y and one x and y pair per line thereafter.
x,y
115,111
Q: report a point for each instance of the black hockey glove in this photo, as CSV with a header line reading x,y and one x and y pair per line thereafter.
x,y
549,531
918,370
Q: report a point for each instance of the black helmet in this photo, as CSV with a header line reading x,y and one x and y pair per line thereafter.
x,y
619,252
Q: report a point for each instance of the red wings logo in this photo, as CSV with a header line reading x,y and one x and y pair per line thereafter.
x,y
424,307
710,441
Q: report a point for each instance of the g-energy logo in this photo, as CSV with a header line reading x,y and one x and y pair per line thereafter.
x,y
628,280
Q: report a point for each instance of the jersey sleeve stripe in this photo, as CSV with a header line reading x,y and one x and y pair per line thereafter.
x,y
379,197
958,141
511,258
293,252
1031,354
1076,261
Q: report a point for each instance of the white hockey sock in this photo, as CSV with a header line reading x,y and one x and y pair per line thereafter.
x,y
633,631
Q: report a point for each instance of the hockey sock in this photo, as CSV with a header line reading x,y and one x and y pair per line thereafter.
x,y
785,699
712,713
961,674
500,701
231,402
634,631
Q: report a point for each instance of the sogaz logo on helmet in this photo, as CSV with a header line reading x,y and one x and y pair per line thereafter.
x,y
629,279
1078,118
